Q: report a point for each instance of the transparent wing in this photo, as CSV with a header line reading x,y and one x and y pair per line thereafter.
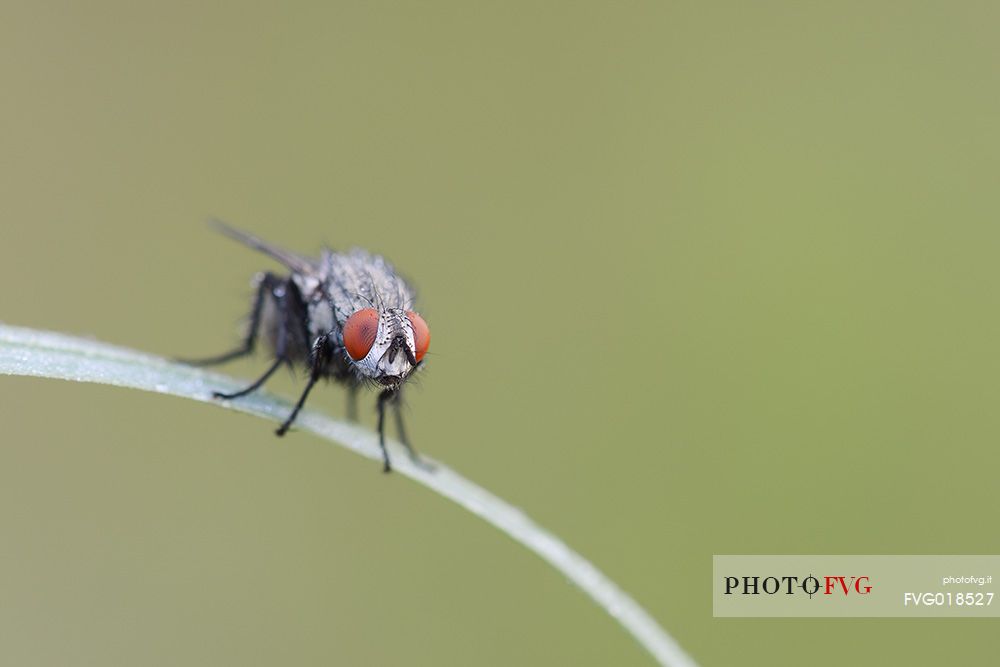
x,y
293,261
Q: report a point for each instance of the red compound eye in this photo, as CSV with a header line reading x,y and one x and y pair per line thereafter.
x,y
421,334
359,333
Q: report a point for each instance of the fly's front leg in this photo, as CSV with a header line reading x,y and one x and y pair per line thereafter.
x,y
268,284
318,360
394,396
384,396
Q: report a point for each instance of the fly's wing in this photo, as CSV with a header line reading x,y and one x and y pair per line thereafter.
x,y
296,263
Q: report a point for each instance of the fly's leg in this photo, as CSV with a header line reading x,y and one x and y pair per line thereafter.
x,y
268,284
256,383
385,396
317,362
280,294
287,424
394,396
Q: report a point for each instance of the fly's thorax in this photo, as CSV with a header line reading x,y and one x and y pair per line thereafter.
x,y
358,279
392,356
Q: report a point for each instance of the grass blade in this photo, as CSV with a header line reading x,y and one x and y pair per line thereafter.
x,y
45,354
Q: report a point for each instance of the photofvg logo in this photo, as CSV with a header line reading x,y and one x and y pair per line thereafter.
x,y
793,585
788,586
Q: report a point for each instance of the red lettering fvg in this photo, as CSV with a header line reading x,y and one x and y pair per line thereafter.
x,y
845,585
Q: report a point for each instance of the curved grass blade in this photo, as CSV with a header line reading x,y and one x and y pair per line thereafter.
x,y
45,354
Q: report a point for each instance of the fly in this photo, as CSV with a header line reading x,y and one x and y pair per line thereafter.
x,y
347,316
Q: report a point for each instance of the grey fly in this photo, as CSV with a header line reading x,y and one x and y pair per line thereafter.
x,y
345,316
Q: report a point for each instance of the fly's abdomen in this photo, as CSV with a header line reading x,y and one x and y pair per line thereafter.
x,y
283,320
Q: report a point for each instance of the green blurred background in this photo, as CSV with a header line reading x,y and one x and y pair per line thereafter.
x,y
702,278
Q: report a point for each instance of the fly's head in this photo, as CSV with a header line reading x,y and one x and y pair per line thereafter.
x,y
386,345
